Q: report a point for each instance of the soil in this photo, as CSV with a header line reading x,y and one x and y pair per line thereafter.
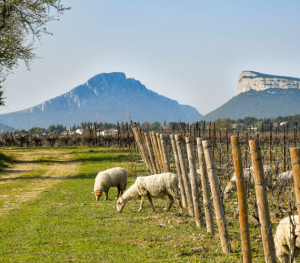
x,y
39,170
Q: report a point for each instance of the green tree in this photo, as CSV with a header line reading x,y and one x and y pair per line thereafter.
x,y
22,22
155,126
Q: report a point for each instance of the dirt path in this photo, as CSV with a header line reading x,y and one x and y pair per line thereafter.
x,y
32,173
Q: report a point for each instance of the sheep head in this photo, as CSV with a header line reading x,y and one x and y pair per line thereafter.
x,y
98,194
120,204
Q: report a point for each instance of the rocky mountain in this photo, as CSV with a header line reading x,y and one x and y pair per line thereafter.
x,y
251,80
107,97
260,95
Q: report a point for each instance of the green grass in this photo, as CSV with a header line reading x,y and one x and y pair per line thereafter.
x,y
66,224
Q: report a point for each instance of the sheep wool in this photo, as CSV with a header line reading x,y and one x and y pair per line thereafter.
x,y
157,185
285,176
114,177
283,239
248,175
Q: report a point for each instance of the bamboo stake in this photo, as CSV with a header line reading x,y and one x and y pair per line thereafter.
x,y
194,183
295,159
179,174
218,204
145,151
152,158
139,144
262,202
160,153
284,151
165,154
185,176
205,189
154,147
242,200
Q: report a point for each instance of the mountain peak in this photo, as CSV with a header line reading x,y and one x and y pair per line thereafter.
x,y
251,80
106,97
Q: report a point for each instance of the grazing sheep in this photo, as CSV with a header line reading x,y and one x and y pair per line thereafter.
x,y
109,178
285,176
156,185
248,174
283,239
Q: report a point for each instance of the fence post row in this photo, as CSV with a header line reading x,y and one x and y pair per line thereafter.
x,y
215,189
242,200
194,183
184,176
262,202
205,189
179,173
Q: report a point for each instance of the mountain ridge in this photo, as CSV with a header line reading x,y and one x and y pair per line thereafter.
x,y
272,103
106,97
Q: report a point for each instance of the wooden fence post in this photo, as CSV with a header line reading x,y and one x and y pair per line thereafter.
x,y
295,159
179,174
284,151
184,176
205,189
165,154
194,183
160,153
262,202
156,152
141,148
150,153
218,204
242,200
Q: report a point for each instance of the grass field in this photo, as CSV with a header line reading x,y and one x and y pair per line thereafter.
x,y
48,214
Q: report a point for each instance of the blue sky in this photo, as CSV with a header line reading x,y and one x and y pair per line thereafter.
x,y
190,51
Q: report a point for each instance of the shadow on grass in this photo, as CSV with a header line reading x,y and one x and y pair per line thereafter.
x,y
5,161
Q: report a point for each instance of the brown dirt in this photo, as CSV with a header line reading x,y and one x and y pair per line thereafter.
x,y
57,167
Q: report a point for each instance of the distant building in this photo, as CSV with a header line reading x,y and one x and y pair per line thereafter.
x,y
67,133
283,123
79,131
109,132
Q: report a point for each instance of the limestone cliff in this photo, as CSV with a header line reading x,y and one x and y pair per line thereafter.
x,y
250,80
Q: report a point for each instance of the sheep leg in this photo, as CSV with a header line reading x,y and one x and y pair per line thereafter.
x,y
150,200
141,206
119,190
106,195
170,204
283,258
180,206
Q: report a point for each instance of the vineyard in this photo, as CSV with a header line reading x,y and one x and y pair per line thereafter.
x,y
269,195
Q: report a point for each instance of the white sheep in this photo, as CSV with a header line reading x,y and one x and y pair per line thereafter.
x,y
114,177
286,176
248,174
283,239
156,185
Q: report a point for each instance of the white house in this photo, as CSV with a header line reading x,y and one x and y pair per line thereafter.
x,y
79,131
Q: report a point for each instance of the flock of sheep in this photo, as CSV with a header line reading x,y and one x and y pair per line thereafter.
x,y
166,184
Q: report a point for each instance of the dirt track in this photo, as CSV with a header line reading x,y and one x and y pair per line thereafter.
x,y
32,173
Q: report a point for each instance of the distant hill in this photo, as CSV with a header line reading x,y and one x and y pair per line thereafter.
x,y
5,128
270,102
107,97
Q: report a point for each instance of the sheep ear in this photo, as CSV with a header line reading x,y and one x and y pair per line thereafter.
x,y
92,192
